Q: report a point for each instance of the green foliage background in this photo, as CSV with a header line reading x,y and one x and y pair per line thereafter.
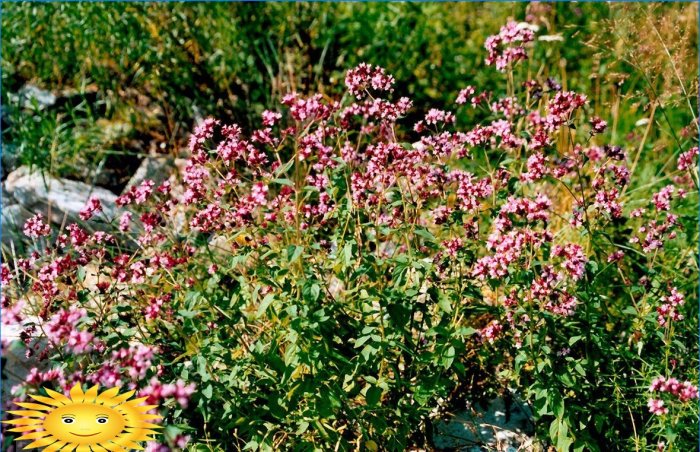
x,y
156,67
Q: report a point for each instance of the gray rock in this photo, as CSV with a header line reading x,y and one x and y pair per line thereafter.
x,y
31,96
13,218
158,169
10,158
17,365
490,428
60,197
7,198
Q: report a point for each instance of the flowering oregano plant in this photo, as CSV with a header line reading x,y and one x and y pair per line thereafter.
x,y
340,276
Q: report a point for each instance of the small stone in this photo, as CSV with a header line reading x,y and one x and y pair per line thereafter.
x,y
31,97
493,426
37,192
13,218
157,169
10,158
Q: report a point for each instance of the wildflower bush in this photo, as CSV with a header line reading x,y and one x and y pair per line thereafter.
x,y
338,278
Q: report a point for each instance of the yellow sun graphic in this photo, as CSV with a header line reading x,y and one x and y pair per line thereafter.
x,y
85,421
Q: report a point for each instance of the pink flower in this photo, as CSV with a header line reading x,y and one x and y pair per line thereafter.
x,y
62,328
668,310
685,160
155,305
143,191
125,222
507,46
464,95
365,76
435,116
37,378
597,125
606,201
491,331
270,118
662,199
182,440
453,246
5,274
508,106
684,391
12,314
536,168
157,391
302,109
35,227
574,259
93,206
656,406
202,133
616,256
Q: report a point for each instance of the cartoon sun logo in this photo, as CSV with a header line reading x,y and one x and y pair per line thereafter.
x,y
85,421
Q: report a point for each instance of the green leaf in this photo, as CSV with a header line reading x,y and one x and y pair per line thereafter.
x,y
422,232
294,252
303,426
283,182
348,253
466,331
368,351
361,341
202,368
449,357
267,301
208,391
312,291
564,442
374,394
444,303
252,445
284,168
187,313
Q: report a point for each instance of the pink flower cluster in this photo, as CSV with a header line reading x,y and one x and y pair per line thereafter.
x,y
155,305
468,94
63,328
157,391
5,274
545,288
137,194
686,159
683,391
508,241
180,442
597,125
91,208
574,259
669,307
364,76
35,227
132,364
490,332
491,224
508,45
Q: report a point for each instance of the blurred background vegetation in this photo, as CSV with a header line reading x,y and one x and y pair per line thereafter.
x,y
130,79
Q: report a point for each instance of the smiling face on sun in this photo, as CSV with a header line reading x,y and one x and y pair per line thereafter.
x,y
106,421
84,423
